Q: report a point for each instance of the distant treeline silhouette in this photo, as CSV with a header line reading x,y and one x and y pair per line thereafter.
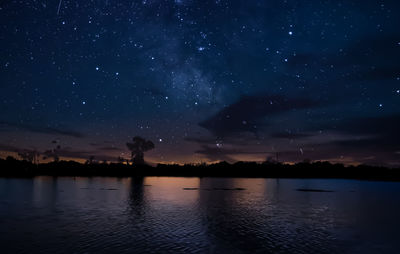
x,y
11,167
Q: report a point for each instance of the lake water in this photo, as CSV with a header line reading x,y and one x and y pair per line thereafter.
x,y
198,215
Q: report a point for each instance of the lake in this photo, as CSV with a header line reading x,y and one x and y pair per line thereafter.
x,y
198,215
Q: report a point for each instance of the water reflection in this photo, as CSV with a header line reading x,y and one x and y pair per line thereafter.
x,y
136,196
197,215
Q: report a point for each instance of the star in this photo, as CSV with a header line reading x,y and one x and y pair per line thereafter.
x,y
187,69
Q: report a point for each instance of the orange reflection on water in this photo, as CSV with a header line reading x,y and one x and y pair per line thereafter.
x,y
171,189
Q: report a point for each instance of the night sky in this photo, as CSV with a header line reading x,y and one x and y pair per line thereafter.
x,y
204,80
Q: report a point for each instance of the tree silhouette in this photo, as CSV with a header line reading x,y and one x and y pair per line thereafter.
x,y
30,156
90,160
53,153
138,147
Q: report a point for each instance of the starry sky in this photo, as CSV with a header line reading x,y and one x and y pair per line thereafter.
x,y
204,80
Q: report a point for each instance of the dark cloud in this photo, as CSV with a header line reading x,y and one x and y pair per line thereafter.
x,y
380,150
44,130
173,69
214,153
210,140
201,140
249,113
371,144
223,154
290,135
368,59
340,154
380,126
371,140
108,147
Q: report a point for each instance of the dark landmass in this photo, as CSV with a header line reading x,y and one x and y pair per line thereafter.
x,y
313,190
11,167
224,189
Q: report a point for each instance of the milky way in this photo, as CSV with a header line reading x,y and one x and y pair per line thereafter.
x,y
205,80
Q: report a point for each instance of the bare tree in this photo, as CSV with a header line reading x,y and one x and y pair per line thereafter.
x,y
138,147
53,153
90,160
30,156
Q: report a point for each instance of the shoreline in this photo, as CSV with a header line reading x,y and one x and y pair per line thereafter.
x,y
304,170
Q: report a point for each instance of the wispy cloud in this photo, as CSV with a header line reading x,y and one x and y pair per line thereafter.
x,y
249,113
42,129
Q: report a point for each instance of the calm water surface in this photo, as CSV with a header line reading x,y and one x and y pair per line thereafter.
x,y
197,215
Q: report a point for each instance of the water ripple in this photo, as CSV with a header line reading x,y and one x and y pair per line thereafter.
x,y
161,215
